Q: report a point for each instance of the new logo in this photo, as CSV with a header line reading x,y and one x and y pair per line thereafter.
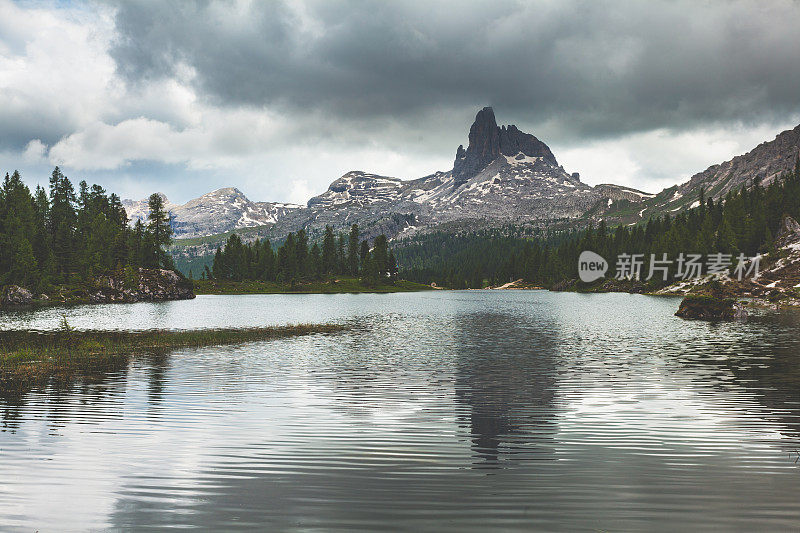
x,y
591,267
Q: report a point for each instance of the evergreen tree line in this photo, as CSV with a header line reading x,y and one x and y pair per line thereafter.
x,y
63,236
296,259
743,222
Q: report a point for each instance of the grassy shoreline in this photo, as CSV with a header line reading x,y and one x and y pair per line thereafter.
x,y
27,355
339,286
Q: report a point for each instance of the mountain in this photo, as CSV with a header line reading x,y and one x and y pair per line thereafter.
x,y
763,164
503,176
219,211
487,143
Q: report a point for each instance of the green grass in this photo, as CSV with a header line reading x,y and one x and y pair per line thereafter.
x,y
29,354
338,286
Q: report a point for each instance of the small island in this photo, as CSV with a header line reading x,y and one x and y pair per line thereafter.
x,y
29,355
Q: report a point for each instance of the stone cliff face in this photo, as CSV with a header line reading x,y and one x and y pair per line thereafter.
x,y
762,164
487,142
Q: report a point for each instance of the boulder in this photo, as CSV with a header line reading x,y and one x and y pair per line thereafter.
x,y
141,284
700,307
16,295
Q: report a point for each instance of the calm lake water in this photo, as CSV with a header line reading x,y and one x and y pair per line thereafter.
x,y
439,411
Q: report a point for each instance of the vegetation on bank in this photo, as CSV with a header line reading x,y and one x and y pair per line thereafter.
x,y
61,237
338,285
28,354
745,221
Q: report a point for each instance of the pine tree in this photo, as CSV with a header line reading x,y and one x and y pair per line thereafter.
x,y
328,251
63,222
301,254
159,234
352,251
380,252
363,254
315,261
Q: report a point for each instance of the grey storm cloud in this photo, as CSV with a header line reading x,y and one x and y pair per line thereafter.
x,y
585,69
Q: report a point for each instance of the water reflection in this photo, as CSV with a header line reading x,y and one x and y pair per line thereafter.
x,y
447,411
763,364
507,385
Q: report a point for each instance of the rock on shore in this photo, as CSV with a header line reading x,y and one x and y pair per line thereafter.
x,y
141,285
16,295
126,285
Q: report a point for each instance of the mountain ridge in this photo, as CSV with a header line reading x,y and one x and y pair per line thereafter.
x,y
503,176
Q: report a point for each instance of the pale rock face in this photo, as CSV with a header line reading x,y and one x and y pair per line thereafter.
x,y
16,295
788,234
219,211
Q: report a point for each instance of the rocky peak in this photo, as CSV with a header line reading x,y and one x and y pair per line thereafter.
x,y
226,193
514,141
487,142
360,188
484,146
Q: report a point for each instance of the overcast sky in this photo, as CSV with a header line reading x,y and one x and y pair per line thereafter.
x,y
281,98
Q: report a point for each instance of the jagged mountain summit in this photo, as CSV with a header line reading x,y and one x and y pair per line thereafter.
x,y
487,142
219,211
504,175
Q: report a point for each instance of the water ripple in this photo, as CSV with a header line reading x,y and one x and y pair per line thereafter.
x,y
439,411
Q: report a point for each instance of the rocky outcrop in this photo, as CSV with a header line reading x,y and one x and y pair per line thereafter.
x,y
615,193
788,233
503,176
699,307
487,142
15,295
126,285
762,164
141,285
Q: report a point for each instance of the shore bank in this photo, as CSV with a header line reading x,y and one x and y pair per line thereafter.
x,y
28,355
128,285
337,286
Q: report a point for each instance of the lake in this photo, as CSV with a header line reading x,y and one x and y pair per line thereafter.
x,y
441,410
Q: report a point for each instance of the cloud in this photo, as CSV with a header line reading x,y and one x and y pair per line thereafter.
x,y
35,152
589,69
280,98
300,192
